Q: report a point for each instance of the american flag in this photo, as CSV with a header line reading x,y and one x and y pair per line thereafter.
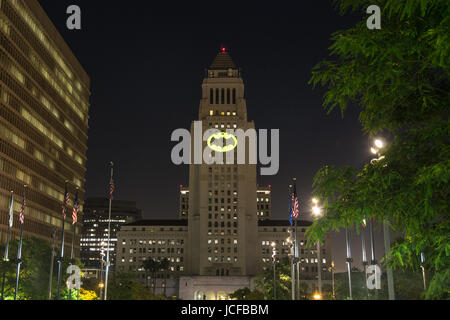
x,y
290,208
295,211
22,210
75,209
66,202
111,189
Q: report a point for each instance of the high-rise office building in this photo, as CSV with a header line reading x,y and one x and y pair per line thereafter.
x,y
94,237
224,235
44,113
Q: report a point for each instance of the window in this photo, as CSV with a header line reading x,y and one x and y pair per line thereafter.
x,y
222,100
211,96
217,96
234,99
228,96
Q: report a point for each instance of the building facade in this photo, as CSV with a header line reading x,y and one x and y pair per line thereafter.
x,y
94,236
44,113
227,229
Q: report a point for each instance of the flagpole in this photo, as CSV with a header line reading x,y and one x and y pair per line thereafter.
x,y
109,233
61,256
19,251
297,251
74,223
297,263
51,264
349,262
8,235
364,258
292,238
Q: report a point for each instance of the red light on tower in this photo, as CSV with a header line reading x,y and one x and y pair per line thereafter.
x,y
223,49
181,186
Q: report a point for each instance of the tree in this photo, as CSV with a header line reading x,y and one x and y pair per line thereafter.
x,y
34,272
247,294
399,78
88,295
124,286
152,266
164,266
264,281
304,291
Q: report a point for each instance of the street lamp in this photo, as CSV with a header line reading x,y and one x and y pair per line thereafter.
x,y
317,212
364,255
317,296
274,252
378,145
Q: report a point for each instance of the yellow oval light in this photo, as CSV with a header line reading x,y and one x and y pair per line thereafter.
x,y
222,135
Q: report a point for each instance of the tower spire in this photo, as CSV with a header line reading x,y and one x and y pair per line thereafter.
x,y
223,61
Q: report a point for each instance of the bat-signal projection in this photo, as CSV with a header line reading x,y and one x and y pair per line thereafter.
x,y
224,136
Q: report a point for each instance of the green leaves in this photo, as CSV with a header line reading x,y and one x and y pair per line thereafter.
x,y
399,78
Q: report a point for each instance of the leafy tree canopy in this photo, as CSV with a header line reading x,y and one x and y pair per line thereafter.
x,y
398,77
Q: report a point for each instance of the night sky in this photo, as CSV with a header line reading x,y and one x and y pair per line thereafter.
x,y
146,65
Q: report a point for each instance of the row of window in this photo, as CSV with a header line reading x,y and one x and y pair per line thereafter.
x,y
170,242
222,250
222,200
222,208
158,276
222,241
222,113
222,259
222,224
222,216
222,96
154,250
222,232
155,229
223,125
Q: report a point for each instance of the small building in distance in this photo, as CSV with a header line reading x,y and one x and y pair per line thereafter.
x,y
94,237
